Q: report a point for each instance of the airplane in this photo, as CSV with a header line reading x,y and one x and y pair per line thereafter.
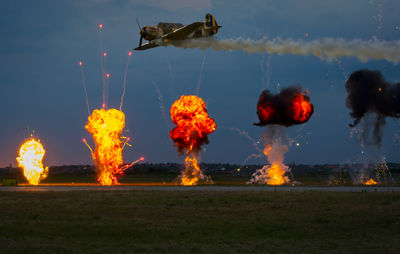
x,y
166,33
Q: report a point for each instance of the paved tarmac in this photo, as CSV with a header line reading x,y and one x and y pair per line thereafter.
x,y
149,187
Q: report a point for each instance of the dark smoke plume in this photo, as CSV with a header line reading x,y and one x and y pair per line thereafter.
x,y
369,92
290,107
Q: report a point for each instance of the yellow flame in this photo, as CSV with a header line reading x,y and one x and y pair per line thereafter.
x,y
30,158
106,127
192,173
371,182
275,175
275,172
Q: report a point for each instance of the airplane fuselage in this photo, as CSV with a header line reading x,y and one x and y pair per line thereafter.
x,y
166,33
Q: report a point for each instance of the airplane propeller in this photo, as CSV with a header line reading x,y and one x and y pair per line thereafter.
x,y
142,32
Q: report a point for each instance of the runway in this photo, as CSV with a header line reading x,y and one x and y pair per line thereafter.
x,y
156,187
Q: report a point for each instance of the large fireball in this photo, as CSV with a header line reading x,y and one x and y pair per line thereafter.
x,y
290,107
30,158
193,124
190,115
106,127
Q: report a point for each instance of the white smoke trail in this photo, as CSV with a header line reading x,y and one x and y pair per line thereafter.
x,y
246,135
161,103
266,72
327,48
379,15
171,75
201,75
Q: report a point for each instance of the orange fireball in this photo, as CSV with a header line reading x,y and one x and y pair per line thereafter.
x,y
106,127
302,108
190,115
193,124
291,106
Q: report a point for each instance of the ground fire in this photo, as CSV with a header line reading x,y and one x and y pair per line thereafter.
x,y
371,182
193,124
30,158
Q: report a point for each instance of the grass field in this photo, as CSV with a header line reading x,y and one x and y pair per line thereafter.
x,y
199,222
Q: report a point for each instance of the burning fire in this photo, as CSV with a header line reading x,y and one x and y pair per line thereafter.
x,y
273,174
106,127
30,158
193,124
290,107
192,172
302,109
371,182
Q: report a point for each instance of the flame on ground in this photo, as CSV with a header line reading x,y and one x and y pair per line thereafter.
x,y
371,182
193,124
106,127
30,158
192,173
273,174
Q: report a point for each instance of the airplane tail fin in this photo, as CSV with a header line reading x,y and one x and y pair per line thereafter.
x,y
211,24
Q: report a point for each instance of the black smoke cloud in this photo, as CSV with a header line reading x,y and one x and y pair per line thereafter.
x,y
369,92
282,108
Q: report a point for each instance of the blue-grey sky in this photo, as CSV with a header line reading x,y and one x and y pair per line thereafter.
x,y
42,42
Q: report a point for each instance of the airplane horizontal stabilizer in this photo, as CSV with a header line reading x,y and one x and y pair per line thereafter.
x,y
146,46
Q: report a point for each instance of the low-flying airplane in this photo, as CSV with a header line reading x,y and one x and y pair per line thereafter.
x,y
166,33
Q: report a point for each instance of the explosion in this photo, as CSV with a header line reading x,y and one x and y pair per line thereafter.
x,y
290,107
193,124
106,127
273,174
30,158
368,92
370,182
369,95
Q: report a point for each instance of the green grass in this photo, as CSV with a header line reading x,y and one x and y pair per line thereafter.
x,y
199,222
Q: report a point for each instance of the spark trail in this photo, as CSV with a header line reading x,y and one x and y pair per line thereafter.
x,y
326,48
124,82
84,85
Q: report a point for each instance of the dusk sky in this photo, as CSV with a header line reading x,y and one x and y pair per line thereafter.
x,y
42,42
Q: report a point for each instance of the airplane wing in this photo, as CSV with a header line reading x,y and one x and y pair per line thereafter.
x,y
183,32
146,46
